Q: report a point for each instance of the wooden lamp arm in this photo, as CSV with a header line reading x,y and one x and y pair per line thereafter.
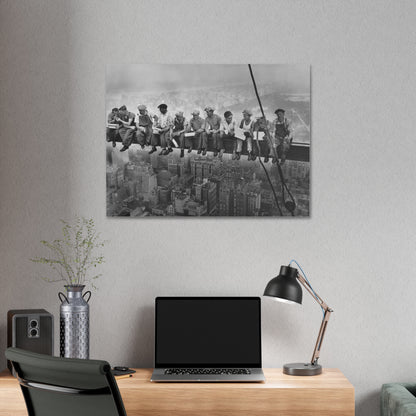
x,y
327,314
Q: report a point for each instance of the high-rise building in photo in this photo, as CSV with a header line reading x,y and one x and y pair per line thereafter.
x,y
226,200
209,197
253,203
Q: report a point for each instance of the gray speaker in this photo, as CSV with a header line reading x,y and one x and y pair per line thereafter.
x,y
30,329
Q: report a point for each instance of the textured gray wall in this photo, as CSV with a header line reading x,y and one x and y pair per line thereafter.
x,y
358,247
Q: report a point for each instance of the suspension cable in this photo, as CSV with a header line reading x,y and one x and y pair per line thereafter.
x,y
289,205
268,176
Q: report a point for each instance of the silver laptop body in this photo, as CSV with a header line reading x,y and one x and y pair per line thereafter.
x,y
207,339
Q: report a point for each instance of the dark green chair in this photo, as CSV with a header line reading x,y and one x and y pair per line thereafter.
x,y
398,399
55,386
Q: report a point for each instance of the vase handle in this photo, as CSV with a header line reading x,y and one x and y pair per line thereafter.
x,y
60,298
89,297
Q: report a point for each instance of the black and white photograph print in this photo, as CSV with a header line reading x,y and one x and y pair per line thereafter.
x,y
208,140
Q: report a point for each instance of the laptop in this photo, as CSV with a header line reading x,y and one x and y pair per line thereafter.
x,y
207,339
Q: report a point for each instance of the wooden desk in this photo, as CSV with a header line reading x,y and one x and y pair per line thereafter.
x,y
329,394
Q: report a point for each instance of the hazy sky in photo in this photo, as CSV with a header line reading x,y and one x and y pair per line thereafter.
x,y
165,77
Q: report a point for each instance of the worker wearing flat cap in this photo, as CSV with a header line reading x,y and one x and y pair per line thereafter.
x,y
246,125
144,123
228,129
197,125
282,136
212,130
127,127
180,126
112,126
161,130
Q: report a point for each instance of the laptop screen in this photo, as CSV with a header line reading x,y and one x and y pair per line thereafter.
x,y
208,332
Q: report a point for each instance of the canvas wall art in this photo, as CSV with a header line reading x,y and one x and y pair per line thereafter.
x,y
208,140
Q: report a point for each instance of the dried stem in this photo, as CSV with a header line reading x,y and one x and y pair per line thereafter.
x,y
72,256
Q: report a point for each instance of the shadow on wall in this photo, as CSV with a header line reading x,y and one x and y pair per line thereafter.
x,y
3,336
142,356
366,405
36,111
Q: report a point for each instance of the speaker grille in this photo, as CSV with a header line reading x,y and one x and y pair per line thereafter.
x,y
31,330
40,343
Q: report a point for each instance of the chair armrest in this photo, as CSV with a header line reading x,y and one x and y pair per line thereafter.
x,y
397,399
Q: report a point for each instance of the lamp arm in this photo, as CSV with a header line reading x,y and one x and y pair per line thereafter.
x,y
327,314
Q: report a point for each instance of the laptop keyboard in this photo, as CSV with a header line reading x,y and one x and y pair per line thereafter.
x,y
206,371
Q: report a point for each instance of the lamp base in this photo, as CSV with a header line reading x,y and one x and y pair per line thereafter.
x,y
302,369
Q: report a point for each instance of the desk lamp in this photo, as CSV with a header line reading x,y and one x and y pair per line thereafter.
x,y
286,288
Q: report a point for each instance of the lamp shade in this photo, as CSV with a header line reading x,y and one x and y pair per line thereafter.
x,y
285,286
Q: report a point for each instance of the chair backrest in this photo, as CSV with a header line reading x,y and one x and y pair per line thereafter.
x,y
66,386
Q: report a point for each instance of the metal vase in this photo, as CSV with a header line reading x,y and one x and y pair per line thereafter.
x,y
75,322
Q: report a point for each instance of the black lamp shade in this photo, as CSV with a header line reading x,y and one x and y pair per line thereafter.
x,y
285,286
